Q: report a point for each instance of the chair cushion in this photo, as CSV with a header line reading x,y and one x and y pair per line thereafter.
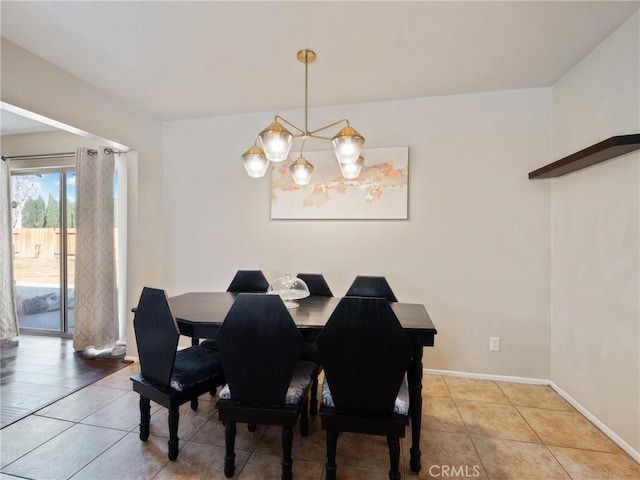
x,y
298,386
400,407
194,365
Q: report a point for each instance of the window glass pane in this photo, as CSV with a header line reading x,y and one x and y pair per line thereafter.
x,y
70,204
35,199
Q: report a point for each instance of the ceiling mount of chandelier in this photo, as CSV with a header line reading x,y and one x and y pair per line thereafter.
x,y
275,142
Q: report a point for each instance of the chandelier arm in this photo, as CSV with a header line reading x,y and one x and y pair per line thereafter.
x,y
344,120
311,135
284,120
306,95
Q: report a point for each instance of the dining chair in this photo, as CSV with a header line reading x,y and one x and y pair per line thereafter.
x,y
317,286
248,281
244,281
260,347
316,283
365,354
371,286
167,376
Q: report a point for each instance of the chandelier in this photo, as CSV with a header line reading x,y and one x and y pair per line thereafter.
x,y
275,142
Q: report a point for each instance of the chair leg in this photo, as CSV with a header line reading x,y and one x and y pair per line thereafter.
x,y
174,417
194,404
332,445
251,427
304,418
313,406
145,418
287,461
230,455
394,457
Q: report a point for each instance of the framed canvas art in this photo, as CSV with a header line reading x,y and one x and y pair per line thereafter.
x,y
380,192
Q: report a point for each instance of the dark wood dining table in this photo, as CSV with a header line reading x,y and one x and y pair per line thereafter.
x,y
200,314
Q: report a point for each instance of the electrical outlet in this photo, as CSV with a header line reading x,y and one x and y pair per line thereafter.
x,y
494,344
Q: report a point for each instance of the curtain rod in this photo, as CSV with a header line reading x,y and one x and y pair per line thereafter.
x,y
108,151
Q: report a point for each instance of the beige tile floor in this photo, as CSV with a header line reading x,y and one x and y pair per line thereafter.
x,y
471,429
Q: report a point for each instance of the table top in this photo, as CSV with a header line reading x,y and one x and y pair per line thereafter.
x,y
197,308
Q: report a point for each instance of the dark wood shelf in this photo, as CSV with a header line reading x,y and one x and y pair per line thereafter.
x,y
605,150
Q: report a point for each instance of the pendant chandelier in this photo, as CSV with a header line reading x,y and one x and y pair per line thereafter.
x,y
275,142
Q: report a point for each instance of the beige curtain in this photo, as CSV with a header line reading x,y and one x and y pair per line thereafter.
x,y
8,317
96,311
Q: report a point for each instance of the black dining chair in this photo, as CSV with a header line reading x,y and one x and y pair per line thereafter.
x,y
244,281
260,348
167,376
371,286
316,283
365,354
317,286
248,281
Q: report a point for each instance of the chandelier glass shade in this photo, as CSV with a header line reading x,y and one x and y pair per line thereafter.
x,y
352,170
255,162
347,144
274,142
301,171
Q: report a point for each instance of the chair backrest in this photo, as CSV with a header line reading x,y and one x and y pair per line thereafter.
x,y
248,281
365,354
367,286
316,283
157,336
259,346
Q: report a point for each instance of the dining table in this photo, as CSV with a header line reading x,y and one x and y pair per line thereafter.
x,y
199,315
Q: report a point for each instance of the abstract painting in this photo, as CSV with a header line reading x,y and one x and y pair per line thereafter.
x,y
380,192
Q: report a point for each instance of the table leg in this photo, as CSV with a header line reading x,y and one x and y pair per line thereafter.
x,y
415,393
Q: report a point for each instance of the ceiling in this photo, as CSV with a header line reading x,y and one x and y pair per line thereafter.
x,y
178,60
13,124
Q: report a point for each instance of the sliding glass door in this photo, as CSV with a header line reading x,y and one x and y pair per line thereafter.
x,y
44,221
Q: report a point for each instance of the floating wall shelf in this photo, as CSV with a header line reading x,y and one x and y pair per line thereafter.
x,y
605,150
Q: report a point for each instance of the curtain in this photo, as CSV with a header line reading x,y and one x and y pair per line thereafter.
x,y
96,310
8,317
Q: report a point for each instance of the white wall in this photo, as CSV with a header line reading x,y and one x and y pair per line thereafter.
x,y
595,243
35,85
43,142
475,249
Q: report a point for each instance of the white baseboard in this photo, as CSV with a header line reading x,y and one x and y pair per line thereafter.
x,y
487,376
540,381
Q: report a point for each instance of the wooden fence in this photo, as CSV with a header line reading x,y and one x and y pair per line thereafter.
x,y
41,242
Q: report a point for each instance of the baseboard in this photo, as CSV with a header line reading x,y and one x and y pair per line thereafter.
x,y
540,381
487,376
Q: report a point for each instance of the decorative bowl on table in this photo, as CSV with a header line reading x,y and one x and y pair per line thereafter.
x,y
289,288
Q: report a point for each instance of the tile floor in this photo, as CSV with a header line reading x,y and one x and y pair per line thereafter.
x,y
471,429
38,370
